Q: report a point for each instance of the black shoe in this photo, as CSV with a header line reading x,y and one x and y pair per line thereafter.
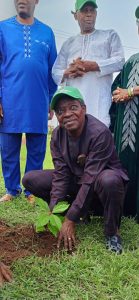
x,y
113,243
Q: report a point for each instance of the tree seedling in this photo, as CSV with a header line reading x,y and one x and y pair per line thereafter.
x,y
52,220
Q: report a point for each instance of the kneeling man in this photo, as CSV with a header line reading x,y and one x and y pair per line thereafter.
x,y
86,167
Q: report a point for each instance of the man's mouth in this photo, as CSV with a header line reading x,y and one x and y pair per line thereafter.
x,y
88,21
68,122
21,5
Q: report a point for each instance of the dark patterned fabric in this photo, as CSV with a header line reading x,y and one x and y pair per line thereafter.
x,y
125,120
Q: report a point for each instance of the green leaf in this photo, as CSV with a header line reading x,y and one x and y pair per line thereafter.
x,y
55,221
42,220
60,207
62,218
42,204
40,229
52,229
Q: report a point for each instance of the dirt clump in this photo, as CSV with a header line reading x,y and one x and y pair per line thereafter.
x,y
20,241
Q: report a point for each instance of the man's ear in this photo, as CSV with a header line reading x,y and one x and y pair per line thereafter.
x,y
84,108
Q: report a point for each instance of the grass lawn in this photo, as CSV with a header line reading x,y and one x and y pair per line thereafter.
x,y
91,273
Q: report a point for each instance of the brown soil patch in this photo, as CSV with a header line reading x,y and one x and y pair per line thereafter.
x,y
21,241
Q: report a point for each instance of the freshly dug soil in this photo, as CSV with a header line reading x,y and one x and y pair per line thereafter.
x,y
21,241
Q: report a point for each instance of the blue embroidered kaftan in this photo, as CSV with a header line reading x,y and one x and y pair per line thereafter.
x,y
27,54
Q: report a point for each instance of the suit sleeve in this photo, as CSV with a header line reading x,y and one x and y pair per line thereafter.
x,y
99,154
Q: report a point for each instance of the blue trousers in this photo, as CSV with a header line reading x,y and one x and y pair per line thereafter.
x,y
10,156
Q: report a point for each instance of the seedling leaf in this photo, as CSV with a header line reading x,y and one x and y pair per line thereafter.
x,y
42,220
62,218
52,229
48,219
42,204
40,229
60,207
55,221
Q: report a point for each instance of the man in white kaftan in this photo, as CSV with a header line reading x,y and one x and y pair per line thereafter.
x,y
88,60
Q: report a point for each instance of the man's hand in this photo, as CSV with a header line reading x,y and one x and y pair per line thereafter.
x,y
75,69
90,66
85,65
73,72
1,113
67,235
5,274
79,67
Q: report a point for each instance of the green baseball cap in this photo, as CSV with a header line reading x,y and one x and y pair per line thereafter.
x,y
67,91
80,3
137,12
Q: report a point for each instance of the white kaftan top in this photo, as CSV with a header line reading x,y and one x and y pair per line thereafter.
x,y
104,47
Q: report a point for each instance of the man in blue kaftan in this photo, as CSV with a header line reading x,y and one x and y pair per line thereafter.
x,y
27,54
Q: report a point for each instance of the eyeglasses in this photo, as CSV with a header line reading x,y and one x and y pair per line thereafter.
x,y
72,108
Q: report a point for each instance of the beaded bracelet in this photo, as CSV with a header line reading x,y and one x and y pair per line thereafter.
x,y
130,92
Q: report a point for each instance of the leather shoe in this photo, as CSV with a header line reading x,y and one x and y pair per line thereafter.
x,y
6,197
31,199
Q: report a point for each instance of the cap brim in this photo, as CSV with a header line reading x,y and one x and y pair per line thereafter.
x,y
58,96
55,100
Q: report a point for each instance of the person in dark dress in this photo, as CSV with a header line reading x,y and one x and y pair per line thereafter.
x,y
125,115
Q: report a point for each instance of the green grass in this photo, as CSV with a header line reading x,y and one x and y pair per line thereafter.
x,y
91,273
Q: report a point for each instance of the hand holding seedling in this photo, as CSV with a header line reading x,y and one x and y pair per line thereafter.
x,y
53,221
67,235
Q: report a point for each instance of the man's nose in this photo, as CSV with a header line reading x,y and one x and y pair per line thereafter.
x,y
67,112
89,13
